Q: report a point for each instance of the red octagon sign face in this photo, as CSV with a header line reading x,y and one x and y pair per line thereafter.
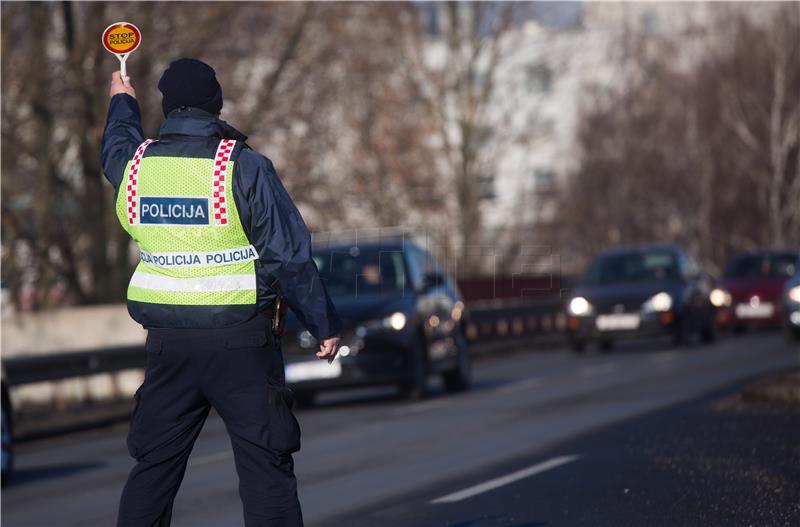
x,y
121,38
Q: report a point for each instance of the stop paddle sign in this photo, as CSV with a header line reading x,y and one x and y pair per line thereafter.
x,y
121,39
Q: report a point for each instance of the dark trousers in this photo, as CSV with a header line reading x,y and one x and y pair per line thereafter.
x,y
238,371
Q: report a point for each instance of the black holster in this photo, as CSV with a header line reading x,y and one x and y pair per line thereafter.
x,y
278,316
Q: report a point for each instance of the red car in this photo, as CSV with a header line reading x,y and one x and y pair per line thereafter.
x,y
749,294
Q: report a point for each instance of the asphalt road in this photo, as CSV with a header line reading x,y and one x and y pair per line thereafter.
x,y
536,442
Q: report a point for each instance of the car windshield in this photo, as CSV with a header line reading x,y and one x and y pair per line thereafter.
x,y
639,266
353,271
762,266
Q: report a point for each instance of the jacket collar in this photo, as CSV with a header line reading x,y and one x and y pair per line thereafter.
x,y
197,122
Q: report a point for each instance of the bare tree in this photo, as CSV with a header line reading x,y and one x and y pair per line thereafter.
x,y
323,89
458,76
705,154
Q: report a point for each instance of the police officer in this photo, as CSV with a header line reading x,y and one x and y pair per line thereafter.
x,y
222,249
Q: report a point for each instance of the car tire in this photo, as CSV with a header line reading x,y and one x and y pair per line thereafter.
x,y
460,378
416,387
577,345
708,334
7,432
606,345
681,332
792,335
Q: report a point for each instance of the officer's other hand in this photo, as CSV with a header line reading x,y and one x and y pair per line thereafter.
x,y
328,348
120,85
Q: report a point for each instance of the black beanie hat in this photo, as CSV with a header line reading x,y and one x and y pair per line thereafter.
x,y
190,82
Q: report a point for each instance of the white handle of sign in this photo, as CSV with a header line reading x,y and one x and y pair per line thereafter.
x,y
123,71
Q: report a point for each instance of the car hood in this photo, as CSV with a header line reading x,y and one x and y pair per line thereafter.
x,y
357,309
630,294
745,288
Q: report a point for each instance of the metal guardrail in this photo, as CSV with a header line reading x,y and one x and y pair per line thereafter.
x,y
57,366
503,320
488,321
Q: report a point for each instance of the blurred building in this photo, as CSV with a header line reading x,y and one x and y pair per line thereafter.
x,y
548,73
536,108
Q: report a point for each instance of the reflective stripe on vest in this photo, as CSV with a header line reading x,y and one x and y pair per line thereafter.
x,y
219,180
132,182
205,284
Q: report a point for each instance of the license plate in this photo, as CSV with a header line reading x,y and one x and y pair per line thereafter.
x,y
618,322
764,310
318,369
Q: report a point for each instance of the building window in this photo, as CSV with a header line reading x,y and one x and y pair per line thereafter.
x,y
540,78
486,188
649,22
542,127
430,13
544,180
478,78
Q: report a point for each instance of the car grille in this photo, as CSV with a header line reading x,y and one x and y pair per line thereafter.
x,y
629,306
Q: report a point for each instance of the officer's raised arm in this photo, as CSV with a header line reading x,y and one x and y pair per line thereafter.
x,y
123,132
283,242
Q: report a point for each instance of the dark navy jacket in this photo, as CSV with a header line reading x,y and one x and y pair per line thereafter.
x,y
272,222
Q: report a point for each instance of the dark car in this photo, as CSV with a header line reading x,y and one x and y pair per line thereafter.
x,y
403,320
791,307
7,433
749,294
640,291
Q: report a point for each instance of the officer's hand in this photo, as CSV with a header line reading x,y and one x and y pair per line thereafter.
x,y
120,85
328,348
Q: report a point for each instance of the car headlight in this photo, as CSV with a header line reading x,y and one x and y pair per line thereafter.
x,y
660,302
720,297
579,306
794,294
395,321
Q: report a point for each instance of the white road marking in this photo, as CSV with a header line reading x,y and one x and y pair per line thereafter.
x,y
599,369
492,484
419,407
521,385
211,458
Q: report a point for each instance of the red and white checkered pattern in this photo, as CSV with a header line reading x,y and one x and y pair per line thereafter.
x,y
133,182
219,181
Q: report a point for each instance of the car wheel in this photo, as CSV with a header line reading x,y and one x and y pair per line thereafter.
x,y
577,345
7,443
708,334
460,378
680,333
792,335
416,387
606,345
